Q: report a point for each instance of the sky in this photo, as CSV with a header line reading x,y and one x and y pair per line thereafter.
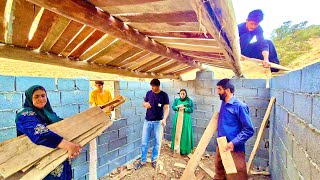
x,y
278,11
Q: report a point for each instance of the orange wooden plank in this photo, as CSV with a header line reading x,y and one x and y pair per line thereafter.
x,y
102,3
116,52
142,61
173,69
2,19
67,35
124,56
182,71
47,20
167,67
163,65
86,31
133,58
24,14
180,34
153,63
168,17
95,36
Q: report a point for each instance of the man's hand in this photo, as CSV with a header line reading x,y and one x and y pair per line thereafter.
x,y
147,105
229,146
163,122
266,63
111,107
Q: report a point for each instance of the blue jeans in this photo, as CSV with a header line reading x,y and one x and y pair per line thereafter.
x,y
148,127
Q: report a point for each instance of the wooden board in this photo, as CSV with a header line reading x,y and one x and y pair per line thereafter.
x,y
114,53
55,33
159,149
191,41
133,58
261,130
194,47
124,56
172,69
47,21
273,65
86,31
93,159
226,156
2,20
141,61
164,65
70,31
94,37
103,3
24,15
202,145
204,167
180,72
164,27
181,34
179,126
151,64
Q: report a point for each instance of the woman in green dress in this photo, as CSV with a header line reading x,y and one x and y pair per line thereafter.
x,y
186,142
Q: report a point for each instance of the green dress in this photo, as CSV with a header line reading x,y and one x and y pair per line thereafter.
x,y
186,142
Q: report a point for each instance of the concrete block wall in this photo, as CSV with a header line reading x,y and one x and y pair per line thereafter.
x,y
295,125
206,101
67,97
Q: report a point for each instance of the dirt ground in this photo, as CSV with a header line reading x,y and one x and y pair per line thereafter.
x,y
172,172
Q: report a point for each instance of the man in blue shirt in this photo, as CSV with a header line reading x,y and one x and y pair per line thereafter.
x,y
261,49
234,122
157,104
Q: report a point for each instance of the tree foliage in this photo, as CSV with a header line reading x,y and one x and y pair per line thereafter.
x,y
292,41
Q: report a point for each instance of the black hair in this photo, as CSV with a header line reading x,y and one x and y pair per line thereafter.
x,y
155,82
99,82
226,84
39,88
255,15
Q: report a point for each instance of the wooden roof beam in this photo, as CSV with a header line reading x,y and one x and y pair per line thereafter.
x,y
88,14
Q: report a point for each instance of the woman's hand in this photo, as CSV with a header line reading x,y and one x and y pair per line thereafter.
x,y
72,148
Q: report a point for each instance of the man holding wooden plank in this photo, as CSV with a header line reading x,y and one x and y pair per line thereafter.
x,y
234,122
100,96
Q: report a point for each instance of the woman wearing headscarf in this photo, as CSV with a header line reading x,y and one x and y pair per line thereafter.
x,y
185,103
33,120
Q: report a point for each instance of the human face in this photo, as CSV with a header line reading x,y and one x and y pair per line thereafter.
x,y
222,93
99,86
39,98
182,94
155,89
251,25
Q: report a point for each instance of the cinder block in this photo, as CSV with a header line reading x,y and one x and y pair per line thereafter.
x,y
288,143
202,123
129,112
288,101
315,171
107,137
260,112
7,119
198,130
313,147
316,112
117,124
204,75
128,93
146,85
190,84
134,119
254,83
10,100
102,149
209,84
74,97
137,143
81,170
166,84
204,91
137,102
301,161
102,171
191,91
213,100
138,93
292,169
141,111
82,158
120,85
126,149
180,84
82,84
264,92
295,81
117,143
107,158
246,92
199,83
284,117
260,162
123,132
303,106
198,114
54,98
310,79
7,133
197,99
65,84
256,102
236,82
24,82
133,155
134,85
133,137
66,111
7,83
278,95
117,162
202,107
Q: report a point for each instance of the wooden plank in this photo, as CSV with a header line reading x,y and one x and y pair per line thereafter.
x,y
273,65
164,27
180,165
203,54
177,70
21,23
103,3
114,53
85,32
54,34
149,7
164,65
226,156
159,150
100,45
114,45
184,71
260,133
145,67
204,167
141,61
193,41
202,145
47,21
133,58
179,125
172,69
2,20
19,54
124,56
84,12
182,34
93,159
191,47
159,17
94,37
168,67
72,29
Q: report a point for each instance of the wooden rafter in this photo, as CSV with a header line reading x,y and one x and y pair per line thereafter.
x,y
183,71
124,56
84,12
179,34
151,64
133,58
162,65
103,3
114,53
144,61
21,54
179,26
2,20
193,41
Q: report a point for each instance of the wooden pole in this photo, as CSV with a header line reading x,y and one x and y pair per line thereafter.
x,y
273,65
203,143
93,160
159,149
177,139
226,156
261,130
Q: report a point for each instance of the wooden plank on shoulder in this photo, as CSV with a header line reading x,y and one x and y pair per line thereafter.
x,y
24,15
47,21
226,156
72,29
54,34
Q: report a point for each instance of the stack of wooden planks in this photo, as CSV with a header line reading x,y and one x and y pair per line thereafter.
x,y
20,158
